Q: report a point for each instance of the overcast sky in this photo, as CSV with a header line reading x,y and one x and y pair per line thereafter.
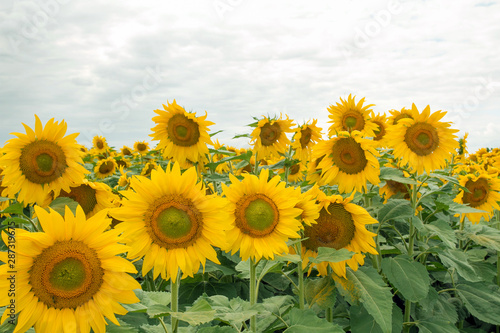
x,y
105,65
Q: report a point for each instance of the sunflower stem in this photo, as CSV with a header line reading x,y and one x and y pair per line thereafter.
x,y
300,274
329,314
256,169
460,241
411,240
174,290
253,292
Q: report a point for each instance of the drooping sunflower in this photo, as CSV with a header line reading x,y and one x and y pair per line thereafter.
x,y
105,167
349,116
350,160
381,122
269,137
124,180
341,224
223,167
150,166
91,196
182,135
263,216
141,147
171,222
483,195
70,276
397,115
424,142
99,144
313,175
304,138
462,148
41,161
307,203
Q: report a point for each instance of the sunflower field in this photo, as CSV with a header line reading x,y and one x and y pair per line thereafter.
x,y
382,223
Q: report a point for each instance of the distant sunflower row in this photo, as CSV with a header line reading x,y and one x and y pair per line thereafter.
x,y
176,205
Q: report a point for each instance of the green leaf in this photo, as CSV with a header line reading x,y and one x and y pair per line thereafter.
x,y
18,221
482,301
396,175
484,236
302,321
234,311
436,324
123,328
201,312
216,329
152,328
457,208
153,297
15,208
331,255
294,258
362,322
459,260
374,294
321,292
263,267
242,136
443,230
395,209
59,205
409,277
2,199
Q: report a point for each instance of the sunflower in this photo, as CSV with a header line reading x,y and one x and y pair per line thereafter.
x,y
41,161
424,143
304,138
99,144
307,203
462,148
483,195
397,115
141,147
105,167
380,133
350,160
223,167
269,137
349,116
126,152
150,166
69,277
91,196
182,135
263,216
313,174
124,180
295,172
341,224
123,162
171,222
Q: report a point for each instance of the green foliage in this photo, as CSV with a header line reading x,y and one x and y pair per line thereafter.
x,y
409,277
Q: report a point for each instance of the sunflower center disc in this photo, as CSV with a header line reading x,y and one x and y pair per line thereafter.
x,y
127,152
183,131
256,215
66,274
294,169
173,222
478,192
42,161
353,121
100,144
269,134
45,162
422,138
142,147
84,194
349,156
397,187
401,116
334,228
106,167
305,137
380,132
